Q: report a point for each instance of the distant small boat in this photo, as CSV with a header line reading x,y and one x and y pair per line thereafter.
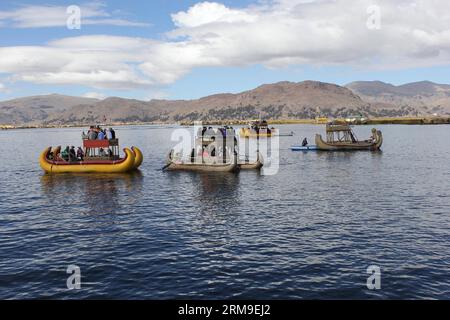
x,y
304,148
258,129
291,134
258,164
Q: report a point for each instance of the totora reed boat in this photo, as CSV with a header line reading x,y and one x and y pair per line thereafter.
x,y
341,137
132,160
256,165
258,129
216,166
214,151
94,158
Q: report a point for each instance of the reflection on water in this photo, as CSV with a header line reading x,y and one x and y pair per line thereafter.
x,y
310,231
98,193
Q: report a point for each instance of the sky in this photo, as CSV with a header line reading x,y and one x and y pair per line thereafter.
x,y
185,49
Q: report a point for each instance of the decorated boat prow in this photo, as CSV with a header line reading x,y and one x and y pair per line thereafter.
x,y
138,157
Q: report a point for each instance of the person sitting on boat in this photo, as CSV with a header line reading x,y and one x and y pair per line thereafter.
x,y
65,154
102,153
305,142
80,154
72,154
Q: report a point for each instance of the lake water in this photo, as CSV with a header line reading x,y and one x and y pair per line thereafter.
x,y
309,231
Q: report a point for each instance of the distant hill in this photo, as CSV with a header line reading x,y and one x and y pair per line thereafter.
x,y
283,100
36,109
424,96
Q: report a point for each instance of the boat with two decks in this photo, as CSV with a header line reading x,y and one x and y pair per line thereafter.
x,y
99,156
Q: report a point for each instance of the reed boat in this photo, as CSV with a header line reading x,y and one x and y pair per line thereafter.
x,y
193,165
289,134
120,165
258,129
341,137
93,158
247,165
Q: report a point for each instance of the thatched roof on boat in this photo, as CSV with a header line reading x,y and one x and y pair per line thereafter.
x,y
338,128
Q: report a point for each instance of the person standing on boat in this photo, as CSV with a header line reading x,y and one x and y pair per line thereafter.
x,y
109,134
101,135
305,142
92,134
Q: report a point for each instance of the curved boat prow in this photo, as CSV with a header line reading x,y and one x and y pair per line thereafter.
x,y
45,165
138,157
379,142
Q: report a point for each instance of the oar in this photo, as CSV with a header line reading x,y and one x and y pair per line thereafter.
x,y
166,166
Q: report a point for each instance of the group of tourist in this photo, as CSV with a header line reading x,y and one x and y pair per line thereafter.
x,y
210,131
71,154
68,154
97,133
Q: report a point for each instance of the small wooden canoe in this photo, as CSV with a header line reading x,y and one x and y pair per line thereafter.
x,y
304,148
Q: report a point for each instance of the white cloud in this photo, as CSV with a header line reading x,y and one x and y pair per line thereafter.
x,y
272,33
95,95
210,12
40,16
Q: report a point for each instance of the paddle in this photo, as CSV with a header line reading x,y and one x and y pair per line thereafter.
x,y
165,167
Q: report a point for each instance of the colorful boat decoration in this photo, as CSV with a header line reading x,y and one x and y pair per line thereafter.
x,y
341,137
93,160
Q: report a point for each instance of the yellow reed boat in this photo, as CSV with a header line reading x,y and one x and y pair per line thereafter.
x,y
258,129
51,160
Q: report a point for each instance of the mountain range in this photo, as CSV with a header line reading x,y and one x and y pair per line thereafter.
x,y
282,100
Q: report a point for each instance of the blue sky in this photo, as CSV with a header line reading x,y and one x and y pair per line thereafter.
x,y
139,49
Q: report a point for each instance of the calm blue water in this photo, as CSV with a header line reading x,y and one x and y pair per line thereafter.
x,y
310,231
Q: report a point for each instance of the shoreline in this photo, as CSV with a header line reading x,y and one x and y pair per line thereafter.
x,y
370,121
